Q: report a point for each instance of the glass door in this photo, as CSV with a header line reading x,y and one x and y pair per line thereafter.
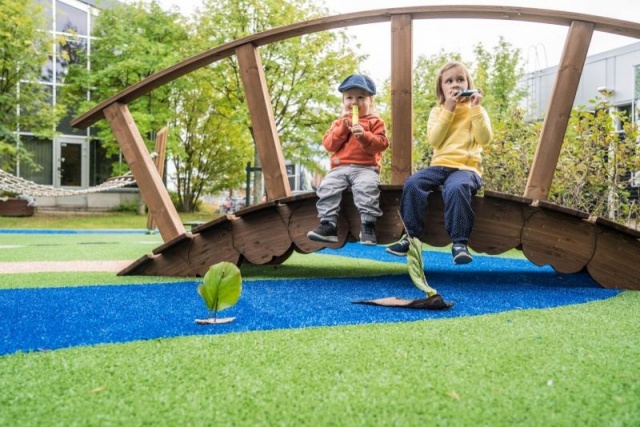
x,y
71,167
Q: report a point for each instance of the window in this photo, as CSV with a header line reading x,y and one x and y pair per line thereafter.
x,y
71,20
42,151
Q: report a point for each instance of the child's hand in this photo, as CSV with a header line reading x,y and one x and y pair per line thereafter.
x,y
346,122
476,98
357,130
451,98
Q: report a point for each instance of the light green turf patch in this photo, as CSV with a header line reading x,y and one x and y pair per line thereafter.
x,y
319,265
297,266
72,247
58,279
569,366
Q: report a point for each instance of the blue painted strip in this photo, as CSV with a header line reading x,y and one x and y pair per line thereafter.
x,y
53,318
70,231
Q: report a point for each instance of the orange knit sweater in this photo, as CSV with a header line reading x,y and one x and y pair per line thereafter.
x,y
346,149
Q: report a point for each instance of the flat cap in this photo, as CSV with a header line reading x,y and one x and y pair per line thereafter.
x,y
358,81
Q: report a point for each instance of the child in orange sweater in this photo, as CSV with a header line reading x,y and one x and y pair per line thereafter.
x,y
356,153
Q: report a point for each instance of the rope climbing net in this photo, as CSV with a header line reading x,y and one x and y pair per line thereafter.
x,y
14,184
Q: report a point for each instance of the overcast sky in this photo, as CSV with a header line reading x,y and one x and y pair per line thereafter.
x,y
541,45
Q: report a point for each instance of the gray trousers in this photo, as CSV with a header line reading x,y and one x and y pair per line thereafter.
x,y
365,186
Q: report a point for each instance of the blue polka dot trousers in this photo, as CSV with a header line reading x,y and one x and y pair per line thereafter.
x,y
458,188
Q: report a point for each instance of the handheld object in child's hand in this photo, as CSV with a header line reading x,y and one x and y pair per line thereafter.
x,y
354,115
467,92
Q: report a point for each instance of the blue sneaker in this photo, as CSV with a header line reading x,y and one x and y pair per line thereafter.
x,y
400,248
460,254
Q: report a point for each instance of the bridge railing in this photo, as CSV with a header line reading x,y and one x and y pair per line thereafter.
x,y
580,30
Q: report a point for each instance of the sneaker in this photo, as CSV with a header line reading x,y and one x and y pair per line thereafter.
x,y
327,232
460,254
399,248
368,233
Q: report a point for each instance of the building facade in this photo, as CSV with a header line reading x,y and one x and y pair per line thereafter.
x,y
614,74
74,159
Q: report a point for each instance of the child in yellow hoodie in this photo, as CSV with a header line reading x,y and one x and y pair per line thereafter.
x,y
457,129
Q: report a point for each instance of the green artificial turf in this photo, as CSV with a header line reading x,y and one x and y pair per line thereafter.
x,y
72,247
569,366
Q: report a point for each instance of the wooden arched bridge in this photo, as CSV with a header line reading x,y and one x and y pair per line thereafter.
x,y
569,240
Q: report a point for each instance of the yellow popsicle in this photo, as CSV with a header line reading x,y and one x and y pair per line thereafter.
x,y
354,115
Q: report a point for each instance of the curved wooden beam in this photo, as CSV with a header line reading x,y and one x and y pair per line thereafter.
x,y
542,16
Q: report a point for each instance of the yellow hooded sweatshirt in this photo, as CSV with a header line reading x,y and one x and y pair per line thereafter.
x,y
457,137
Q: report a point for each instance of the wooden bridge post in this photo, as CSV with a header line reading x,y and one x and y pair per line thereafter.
x,y
263,122
161,148
544,164
144,171
401,97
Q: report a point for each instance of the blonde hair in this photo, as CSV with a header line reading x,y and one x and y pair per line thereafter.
x,y
449,65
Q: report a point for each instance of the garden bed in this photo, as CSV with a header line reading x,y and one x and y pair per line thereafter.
x,y
15,207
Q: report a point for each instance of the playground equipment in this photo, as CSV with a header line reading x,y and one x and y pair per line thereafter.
x,y
570,241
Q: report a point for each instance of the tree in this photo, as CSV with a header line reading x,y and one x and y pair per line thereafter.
x,y
594,165
211,137
24,103
132,43
302,73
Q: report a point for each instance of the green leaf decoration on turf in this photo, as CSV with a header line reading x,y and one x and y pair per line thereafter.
x,y
416,266
222,287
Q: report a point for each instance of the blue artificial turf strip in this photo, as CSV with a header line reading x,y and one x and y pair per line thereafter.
x,y
52,318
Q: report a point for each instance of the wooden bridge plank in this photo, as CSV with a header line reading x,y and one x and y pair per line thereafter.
x,y
616,261
554,127
508,13
144,171
261,236
211,246
301,215
499,222
265,132
401,97
565,242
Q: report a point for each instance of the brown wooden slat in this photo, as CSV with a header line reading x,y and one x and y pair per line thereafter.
x,y
265,132
555,122
171,244
401,97
498,224
261,236
565,242
302,217
566,210
618,227
616,261
138,267
389,227
144,171
543,16
211,246
161,149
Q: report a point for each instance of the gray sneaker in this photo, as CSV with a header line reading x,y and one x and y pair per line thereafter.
x,y
327,232
368,233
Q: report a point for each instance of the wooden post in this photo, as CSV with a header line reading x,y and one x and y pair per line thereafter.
x,y
544,164
401,97
263,122
144,171
161,148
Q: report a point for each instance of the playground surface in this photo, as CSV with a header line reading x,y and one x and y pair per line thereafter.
x,y
521,345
